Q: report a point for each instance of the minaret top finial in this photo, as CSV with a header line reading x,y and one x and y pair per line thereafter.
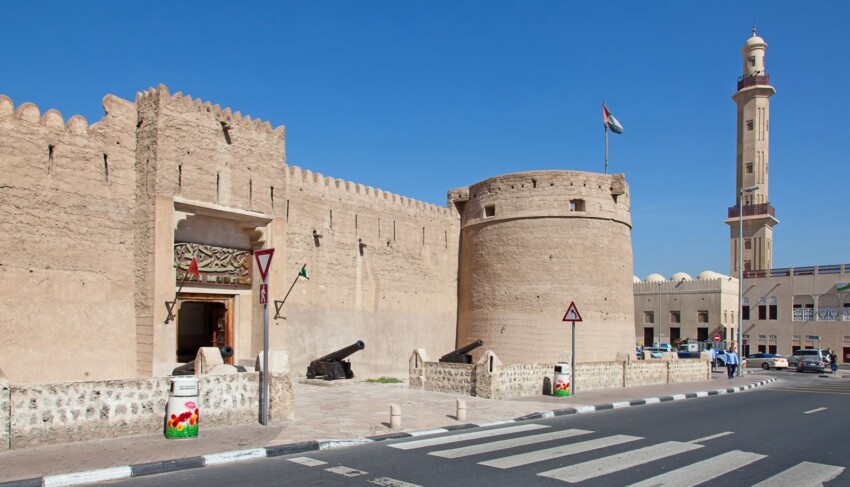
x,y
754,28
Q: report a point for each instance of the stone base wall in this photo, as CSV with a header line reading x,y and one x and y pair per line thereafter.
x,y
5,409
41,414
491,379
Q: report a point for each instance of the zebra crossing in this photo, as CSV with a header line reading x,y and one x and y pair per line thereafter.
x,y
571,442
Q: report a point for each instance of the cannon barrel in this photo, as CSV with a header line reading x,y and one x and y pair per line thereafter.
x,y
460,356
469,348
342,352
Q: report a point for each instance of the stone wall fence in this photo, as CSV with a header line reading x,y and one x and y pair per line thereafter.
x,y
48,413
490,378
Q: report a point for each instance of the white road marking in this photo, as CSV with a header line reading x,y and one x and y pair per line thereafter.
x,y
679,397
706,438
585,409
558,451
614,463
234,456
815,410
310,462
88,477
651,400
410,445
624,404
505,444
806,474
699,472
348,472
331,444
428,432
388,482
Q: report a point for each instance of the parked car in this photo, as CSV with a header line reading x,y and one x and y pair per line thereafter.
x,y
654,352
721,358
639,352
811,364
812,354
766,361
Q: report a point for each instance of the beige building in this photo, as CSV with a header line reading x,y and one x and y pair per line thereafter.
x,y
101,222
782,310
682,308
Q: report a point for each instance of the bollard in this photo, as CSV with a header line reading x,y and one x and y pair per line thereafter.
x,y
395,416
461,410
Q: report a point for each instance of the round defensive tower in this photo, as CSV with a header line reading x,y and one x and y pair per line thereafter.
x,y
531,243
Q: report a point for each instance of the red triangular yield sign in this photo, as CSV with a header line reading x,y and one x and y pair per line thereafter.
x,y
572,313
264,260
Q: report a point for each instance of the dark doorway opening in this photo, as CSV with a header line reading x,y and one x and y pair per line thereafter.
x,y
203,322
648,336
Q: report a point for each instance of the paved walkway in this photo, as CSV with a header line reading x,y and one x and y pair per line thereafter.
x,y
353,411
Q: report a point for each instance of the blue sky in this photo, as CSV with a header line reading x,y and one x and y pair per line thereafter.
x,y
418,97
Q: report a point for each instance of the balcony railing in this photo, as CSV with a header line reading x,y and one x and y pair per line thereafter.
x,y
797,271
753,210
758,79
827,313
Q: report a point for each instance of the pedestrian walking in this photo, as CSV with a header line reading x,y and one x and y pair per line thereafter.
x,y
731,362
833,362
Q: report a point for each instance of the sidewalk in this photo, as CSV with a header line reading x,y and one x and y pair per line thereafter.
x,y
355,411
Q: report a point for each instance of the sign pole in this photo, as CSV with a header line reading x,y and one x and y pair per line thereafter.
x,y
265,419
573,362
264,259
572,315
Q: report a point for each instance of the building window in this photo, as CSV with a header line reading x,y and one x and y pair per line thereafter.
x,y
749,125
489,211
576,205
745,312
752,60
648,317
748,243
762,312
749,168
773,312
702,316
702,334
675,317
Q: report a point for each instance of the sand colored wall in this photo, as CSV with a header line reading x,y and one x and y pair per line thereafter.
x,y
197,161
382,269
521,267
66,243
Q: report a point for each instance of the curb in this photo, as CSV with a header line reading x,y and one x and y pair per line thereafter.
x,y
166,466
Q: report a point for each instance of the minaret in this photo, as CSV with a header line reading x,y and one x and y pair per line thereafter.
x,y
753,101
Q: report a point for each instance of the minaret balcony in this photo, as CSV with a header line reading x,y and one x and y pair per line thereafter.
x,y
763,209
754,80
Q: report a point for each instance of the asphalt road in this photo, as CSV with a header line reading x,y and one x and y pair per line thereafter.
x,y
794,433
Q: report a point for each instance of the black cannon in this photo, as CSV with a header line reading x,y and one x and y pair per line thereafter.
x,y
460,356
331,366
189,367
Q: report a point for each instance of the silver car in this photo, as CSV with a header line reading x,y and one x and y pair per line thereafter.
x,y
811,354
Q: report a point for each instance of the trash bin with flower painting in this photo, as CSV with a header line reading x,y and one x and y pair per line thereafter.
x,y
182,411
562,380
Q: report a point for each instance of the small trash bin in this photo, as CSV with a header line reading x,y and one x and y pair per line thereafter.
x,y
562,379
182,411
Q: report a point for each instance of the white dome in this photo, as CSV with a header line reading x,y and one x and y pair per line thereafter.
x,y
681,276
706,275
655,278
636,279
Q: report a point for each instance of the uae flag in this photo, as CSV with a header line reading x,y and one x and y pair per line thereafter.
x,y
610,122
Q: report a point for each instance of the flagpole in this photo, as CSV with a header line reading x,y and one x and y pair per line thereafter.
x,y
606,149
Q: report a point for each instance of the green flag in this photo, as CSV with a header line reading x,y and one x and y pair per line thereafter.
x,y
303,272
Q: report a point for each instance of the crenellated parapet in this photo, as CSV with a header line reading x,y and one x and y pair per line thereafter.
x,y
29,114
305,178
225,116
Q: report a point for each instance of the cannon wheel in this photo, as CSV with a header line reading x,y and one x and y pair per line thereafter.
x,y
349,375
310,374
329,375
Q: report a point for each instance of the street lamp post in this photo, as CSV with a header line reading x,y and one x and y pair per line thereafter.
x,y
748,189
